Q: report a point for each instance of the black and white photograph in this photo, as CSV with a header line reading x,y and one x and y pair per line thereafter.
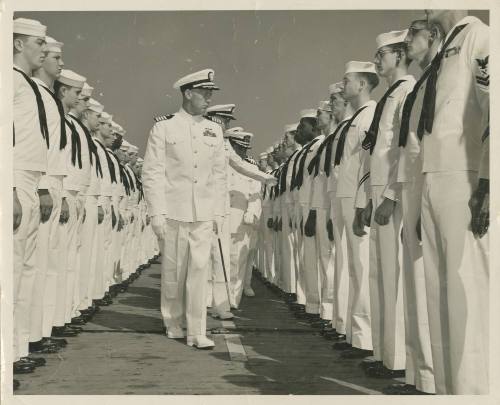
x,y
280,200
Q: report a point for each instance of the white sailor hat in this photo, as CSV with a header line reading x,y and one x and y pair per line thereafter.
x,y
204,79
53,45
125,145
95,106
355,66
86,90
29,27
308,113
336,88
70,78
222,110
133,149
230,131
105,118
390,38
120,130
140,160
263,155
241,138
291,127
325,106
114,126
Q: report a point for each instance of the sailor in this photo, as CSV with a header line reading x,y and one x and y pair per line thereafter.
x,y
360,79
384,207
423,41
455,213
183,173
31,141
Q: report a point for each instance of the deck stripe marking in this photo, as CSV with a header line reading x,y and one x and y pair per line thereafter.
x,y
353,386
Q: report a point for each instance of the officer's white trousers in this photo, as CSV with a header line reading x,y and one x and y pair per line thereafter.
x,y
185,263
419,370
386,287
288,254
47,259
324,252
219,299
25,266
457,282
67,262
299,240
358,328
87,256
310,269
341,272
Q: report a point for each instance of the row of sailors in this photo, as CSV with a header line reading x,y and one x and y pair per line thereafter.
x,y
81,231
410,296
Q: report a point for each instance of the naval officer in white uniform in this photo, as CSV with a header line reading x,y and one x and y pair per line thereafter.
x,y
183,173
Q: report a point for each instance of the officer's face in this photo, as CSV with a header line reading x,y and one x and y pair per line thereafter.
x,y
417,42
324,119
53,64
385,61
199,99
33,49
338,106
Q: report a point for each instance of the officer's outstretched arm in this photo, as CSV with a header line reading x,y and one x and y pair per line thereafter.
x,y
248,169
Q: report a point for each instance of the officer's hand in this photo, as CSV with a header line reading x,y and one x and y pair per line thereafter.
x,y
384,211
17,211
46,205
113,217
479,205
310,227
158,225
418,229
270,223
248,218
329,229
64,217
358,225
367,214
100,214
271,181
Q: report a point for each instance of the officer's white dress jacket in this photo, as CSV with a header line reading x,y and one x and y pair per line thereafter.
x,y
184,169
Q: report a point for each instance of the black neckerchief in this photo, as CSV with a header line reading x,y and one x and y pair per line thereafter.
x,y
42,116
343,134
372,133
300,172
62,116
426,121
76,145
111,166
282,179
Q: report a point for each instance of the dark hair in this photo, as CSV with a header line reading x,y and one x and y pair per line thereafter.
x,y
58,86
371,78
401,48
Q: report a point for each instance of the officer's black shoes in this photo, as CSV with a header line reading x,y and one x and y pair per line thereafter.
x,y
62,331
341,346
384,372
22,367
403,389
356,353
15,384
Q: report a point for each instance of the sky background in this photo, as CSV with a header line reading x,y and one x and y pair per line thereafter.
x,y
271,64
